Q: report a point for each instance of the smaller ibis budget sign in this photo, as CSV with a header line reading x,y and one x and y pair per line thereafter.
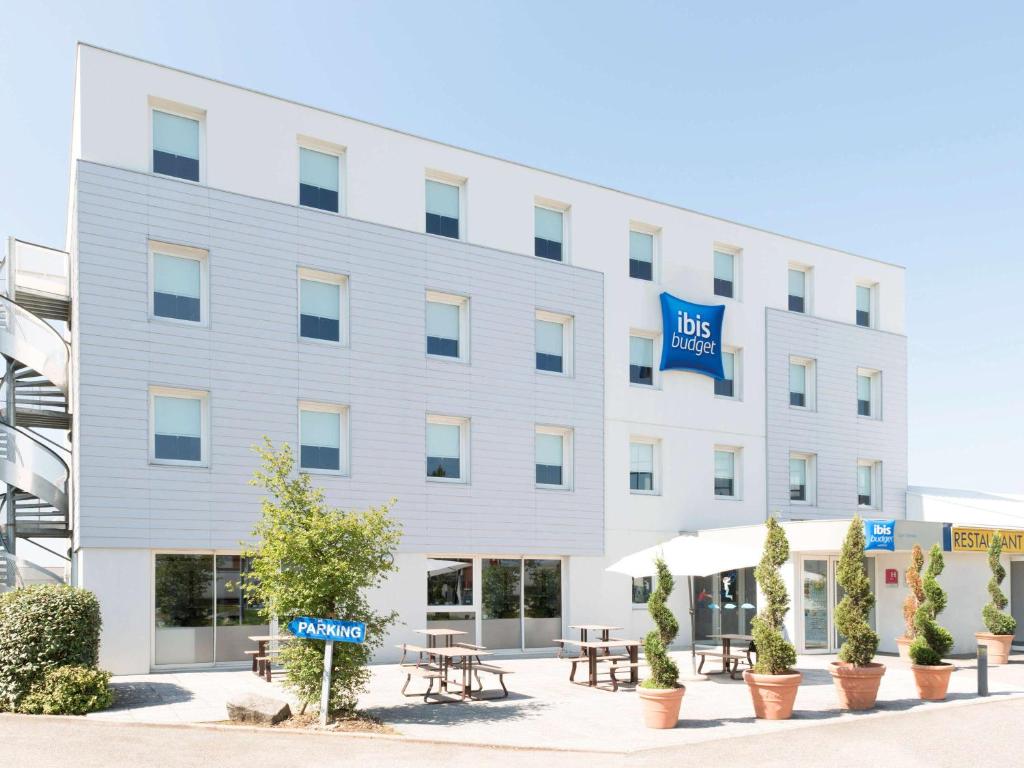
x,y
332,630
692,336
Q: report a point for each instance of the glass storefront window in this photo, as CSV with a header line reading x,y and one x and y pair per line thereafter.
x,y
184,609
464,621
237,617
725,603
542,601
502,597
449,582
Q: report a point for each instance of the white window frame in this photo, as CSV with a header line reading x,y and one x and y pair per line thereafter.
x,y
568,334
655,233
566,210
344,466
811,488
737,271
655,373
463,423
325,148
454,180
182,252
655,444
872,287
810,382
462,302
737,472
157,104
332,278
876,483
876,393
737,374
808,286
566,433
204,435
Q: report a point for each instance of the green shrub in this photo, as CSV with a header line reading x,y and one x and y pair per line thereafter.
x,y
915,592
42,627
853,610
73,690
997,622
775,656
932,641
664,672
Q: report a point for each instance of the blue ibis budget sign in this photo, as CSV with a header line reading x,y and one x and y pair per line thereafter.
x,y
334,630
692,338
880,534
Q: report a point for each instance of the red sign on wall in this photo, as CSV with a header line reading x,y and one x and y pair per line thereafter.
x,y
892,576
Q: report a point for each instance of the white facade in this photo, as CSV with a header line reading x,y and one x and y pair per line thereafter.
x,y
243,213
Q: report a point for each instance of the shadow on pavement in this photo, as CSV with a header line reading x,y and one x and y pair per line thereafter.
x,y
140,695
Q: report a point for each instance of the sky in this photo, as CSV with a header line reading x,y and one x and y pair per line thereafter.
x,y
892,130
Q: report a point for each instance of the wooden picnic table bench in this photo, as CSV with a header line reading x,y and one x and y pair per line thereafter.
x,y
440,660
595,652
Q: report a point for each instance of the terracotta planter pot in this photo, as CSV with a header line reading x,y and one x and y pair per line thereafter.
x,y
932,681
857,686
661,705
773,695
903,646
998,646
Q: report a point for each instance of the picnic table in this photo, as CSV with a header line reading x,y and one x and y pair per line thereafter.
x,y
604,629
730,661
440,659
261,656
590,650
433,635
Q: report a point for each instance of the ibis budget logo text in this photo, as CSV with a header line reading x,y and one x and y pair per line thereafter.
x,y
880,534
692,336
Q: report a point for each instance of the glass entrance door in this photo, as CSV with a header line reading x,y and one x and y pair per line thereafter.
x,y
816,609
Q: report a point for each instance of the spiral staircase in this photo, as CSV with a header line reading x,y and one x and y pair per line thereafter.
x,y
35,412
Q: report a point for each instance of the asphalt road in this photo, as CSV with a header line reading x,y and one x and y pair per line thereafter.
x,y
944,736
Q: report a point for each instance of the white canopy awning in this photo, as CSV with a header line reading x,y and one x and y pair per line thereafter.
x,y
436,567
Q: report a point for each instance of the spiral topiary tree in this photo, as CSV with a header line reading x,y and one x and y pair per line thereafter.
x,y
997,622
775,656
932,641
915,594
852,612
664,672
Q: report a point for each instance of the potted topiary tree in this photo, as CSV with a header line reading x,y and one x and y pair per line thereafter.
x,y
856,677
931,673
772,682
1000,626
915,596
661,692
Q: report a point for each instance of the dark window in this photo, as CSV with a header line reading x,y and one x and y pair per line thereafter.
x,y
641,481
313,327
798,398
317,197
796,303
863,407
642,270
175,165
547,362
443,347
177,307
641,374
442,467
547,249
319,457
797,492
178,448
723,486
864,318
445,226
724,387
723,287
642,588
549,474
863,500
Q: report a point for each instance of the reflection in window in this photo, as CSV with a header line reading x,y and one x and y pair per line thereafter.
x,y
642,588
725,603
542,600
183,600
502,595
449,582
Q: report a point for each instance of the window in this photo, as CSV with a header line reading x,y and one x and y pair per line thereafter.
x,y
868,483
641,255
869,393
322,437
447,441
725,274
641,360
641,467
548,233
319,175
643,586
801,478
801,382
178,276
553,338
447,326
797,289
865,308
727,387
443,206
725,473
175,145
552,454
321,305
179,422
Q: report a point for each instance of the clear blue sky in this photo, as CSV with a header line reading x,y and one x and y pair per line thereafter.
x,y
894,130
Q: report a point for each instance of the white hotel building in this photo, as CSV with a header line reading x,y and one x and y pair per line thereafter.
x,y
474,337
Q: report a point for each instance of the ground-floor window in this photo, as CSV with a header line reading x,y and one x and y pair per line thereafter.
x,y
201,615
725,603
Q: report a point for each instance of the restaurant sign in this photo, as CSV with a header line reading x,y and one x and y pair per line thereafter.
x,y
978,540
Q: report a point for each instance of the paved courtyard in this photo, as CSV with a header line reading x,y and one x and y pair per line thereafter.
x,y
546,710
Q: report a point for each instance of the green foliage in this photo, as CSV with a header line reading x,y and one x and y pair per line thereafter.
x,y
71,690
932,641
775,656
915,594
852,612
42,627
313,560
997,622
664,672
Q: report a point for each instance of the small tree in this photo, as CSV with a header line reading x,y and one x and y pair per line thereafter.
x,y
915,593
313,560
664,672
852,612
775,655
932,641
997,622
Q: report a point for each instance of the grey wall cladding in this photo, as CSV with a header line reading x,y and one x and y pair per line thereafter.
x,y
833,431
256,370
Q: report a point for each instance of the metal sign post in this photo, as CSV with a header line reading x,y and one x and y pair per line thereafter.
x,y
982,669
330,631
325,682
